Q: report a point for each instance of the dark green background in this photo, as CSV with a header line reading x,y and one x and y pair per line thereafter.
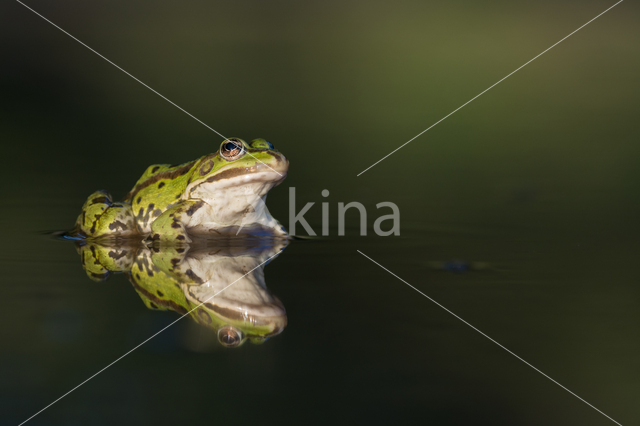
x,y
539,178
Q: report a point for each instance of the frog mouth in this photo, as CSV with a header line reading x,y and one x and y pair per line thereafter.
x,y
261,176
248,316
279,165
259,172
257,315
248,177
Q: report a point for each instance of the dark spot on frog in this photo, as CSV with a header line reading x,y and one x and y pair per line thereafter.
x,y
180,250
174,262
180,237
138,200
155,169
144,264
155,237
160,293
153,305
157,212
193,276
206,168
145,218
117,224
175,225
116,256
138,276
100,200
160,185
140,213
156,250
194,208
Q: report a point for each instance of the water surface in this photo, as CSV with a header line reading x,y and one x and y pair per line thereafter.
x,y
518,213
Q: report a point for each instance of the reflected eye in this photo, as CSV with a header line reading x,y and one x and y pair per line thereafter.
x,y
232,149
230,336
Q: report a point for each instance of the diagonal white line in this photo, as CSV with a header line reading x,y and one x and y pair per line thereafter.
x,y
127,73
139,81
264,163
100,371
486,90
494,341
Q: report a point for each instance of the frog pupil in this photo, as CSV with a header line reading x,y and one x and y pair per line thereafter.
x,y
228,339
231,149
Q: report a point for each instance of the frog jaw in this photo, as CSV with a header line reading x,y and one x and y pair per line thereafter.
x,y
245,305
252,168
252,320
236,197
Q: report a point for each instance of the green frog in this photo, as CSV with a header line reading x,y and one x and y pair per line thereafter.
x,y
221,194
221,287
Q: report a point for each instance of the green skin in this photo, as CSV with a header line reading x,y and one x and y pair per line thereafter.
x,y
165,280
170,203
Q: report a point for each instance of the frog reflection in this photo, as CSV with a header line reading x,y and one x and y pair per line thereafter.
x,y
220,287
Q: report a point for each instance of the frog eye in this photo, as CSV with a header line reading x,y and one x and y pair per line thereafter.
x,y
230,336
232,149
261,144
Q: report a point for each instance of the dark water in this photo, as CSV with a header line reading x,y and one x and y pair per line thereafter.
x,y
519,213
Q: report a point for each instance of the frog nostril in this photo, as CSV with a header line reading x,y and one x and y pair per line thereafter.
x,y
261,144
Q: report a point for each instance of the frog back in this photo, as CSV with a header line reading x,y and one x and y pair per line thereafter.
x,y
159,188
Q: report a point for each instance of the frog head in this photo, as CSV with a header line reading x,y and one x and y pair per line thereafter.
x,y
235,181
255,168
